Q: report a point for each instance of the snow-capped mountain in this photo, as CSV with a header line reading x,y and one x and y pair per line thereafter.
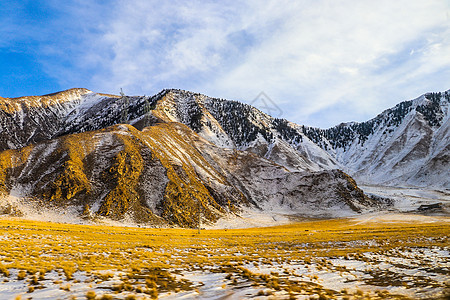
x,y
408,144
232,124
66,150
227,124
178,150
163,175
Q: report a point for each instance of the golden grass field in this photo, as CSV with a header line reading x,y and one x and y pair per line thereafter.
x,y
64,261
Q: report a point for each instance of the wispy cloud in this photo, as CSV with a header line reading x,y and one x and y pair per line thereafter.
x,y
323,62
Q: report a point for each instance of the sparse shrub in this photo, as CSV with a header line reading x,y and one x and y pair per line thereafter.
x,y
69,273
106,297
31,271
154,292
118,287
42,274
247,274
274,284
265,277
105,276
4,270
90,295
150,283
34,280
21,275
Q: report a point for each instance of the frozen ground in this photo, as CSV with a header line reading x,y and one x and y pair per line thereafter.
x,y
418,273
408,199
360,258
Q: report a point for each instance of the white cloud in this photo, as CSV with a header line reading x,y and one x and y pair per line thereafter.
x,y
308,56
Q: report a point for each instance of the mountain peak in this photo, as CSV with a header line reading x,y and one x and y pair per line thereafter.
x,y
14,105
60,94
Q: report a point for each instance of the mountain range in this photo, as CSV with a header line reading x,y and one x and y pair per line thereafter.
x,y
161,159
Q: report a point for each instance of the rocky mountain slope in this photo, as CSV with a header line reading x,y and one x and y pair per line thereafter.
x,y
177,151
171,155
408,144
164,175
227,124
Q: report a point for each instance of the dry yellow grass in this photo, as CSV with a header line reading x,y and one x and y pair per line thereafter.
x,y
149,258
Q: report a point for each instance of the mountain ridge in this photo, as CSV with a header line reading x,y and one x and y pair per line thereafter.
x,y
163,159
232,124
163,175
412,131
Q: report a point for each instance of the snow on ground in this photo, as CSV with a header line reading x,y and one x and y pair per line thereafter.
x,y
388,217
34,211
413,272
406,202
401,272
408,199
250,218
29,210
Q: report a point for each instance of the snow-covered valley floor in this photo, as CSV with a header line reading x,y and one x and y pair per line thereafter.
x,y
348,258
407,199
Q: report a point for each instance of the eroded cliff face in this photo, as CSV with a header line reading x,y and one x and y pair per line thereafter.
x,y
150,175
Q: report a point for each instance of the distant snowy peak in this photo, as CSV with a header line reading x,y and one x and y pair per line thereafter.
x,y
399,146
27,120
433,107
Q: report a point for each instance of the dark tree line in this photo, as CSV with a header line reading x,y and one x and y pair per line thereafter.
x,y
431,110
286,132
342,135
236,120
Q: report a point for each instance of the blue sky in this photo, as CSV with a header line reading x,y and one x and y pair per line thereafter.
x,y
321,62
